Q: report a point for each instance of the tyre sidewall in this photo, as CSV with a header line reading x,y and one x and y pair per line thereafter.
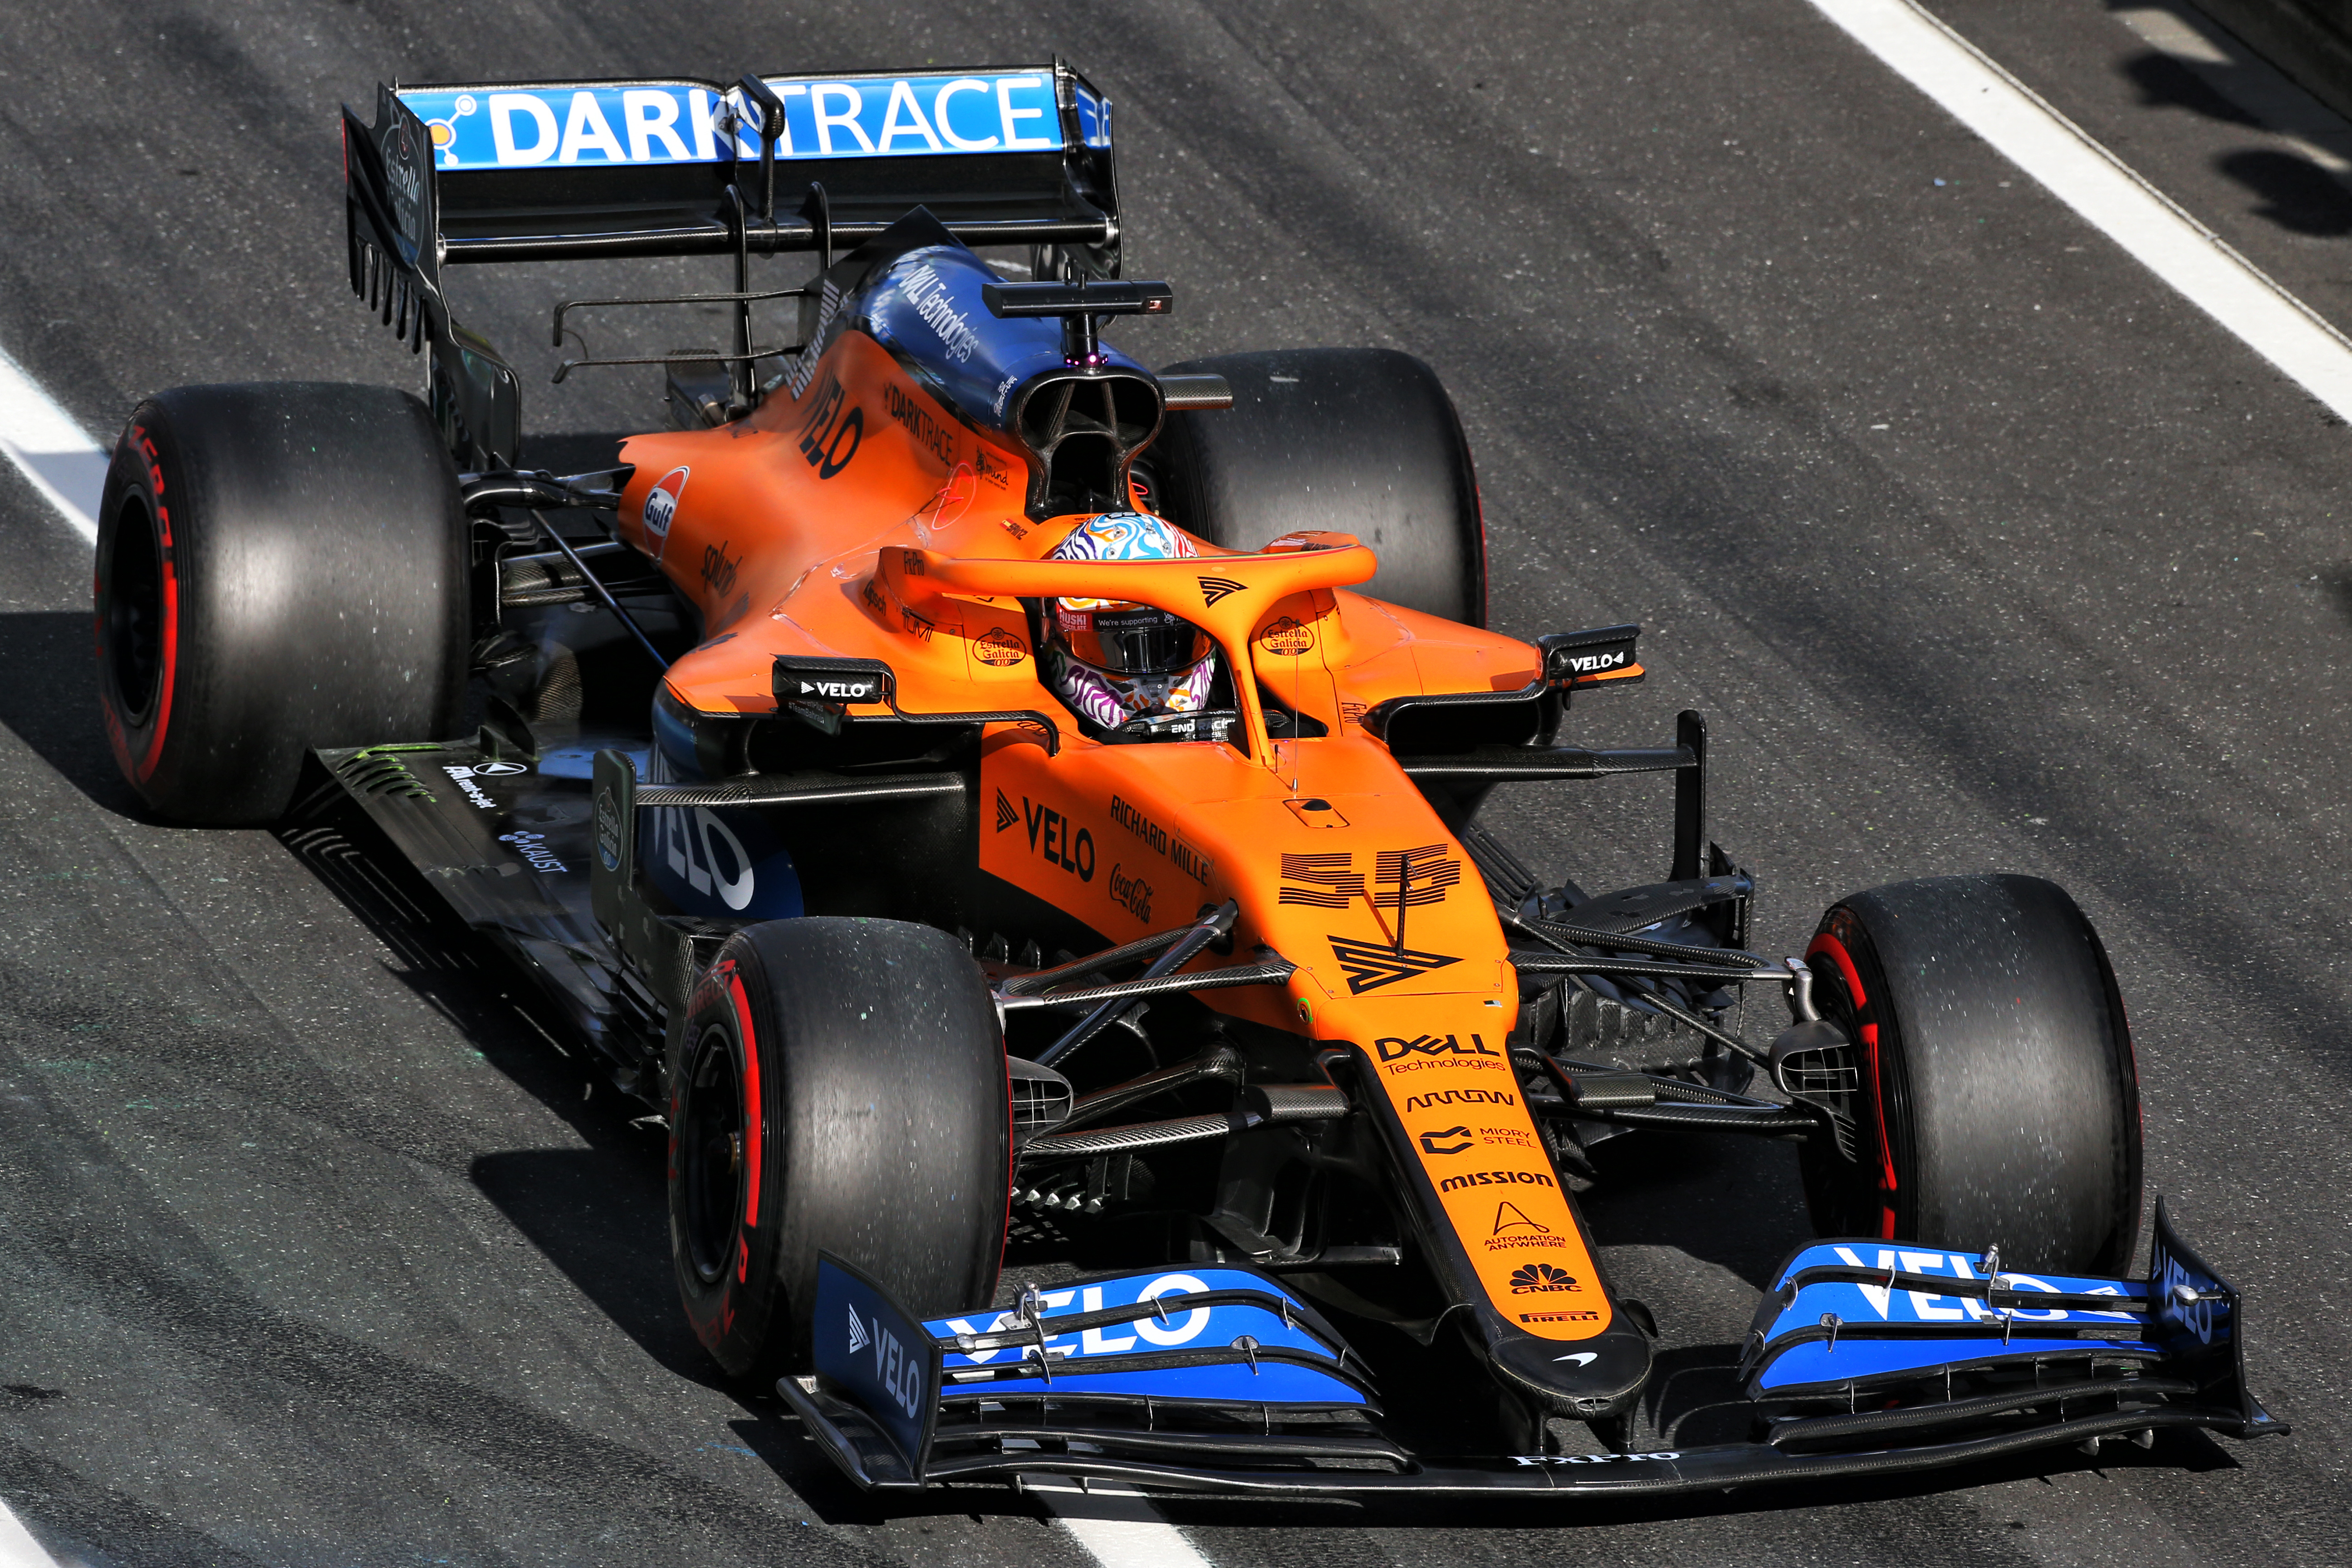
x,y
133,500
730,1315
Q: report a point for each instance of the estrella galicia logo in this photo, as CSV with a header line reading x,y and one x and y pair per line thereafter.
x,y
1215,588
1451,1141
1368,965
608,830
1541,1277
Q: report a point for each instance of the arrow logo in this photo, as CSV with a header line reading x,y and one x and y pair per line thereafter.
x,y
858,1337
1368,965
1005,815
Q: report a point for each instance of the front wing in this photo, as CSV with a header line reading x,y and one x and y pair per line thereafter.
x,y
1220,1381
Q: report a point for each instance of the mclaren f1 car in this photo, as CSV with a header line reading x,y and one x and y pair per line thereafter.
x,y
975,786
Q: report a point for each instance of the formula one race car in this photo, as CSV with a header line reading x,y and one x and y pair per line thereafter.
x,y
982,791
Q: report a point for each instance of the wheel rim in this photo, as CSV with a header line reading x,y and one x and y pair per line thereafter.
x,y
710,1144
134,613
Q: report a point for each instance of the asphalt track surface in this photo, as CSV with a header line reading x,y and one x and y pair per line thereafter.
x,y
1979,549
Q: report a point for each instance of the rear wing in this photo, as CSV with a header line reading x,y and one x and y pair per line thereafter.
x,y
564,171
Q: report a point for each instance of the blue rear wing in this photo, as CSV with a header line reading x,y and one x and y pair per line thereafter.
x,y
562,171
568,170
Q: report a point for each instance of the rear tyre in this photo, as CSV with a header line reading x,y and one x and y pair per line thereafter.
x,y
280,566
840,1085
1360,441
1999,1103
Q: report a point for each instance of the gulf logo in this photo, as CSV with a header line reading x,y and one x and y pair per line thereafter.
x,y
661,506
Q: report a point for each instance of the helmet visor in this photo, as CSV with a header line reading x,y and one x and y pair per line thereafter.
x,y
1134,641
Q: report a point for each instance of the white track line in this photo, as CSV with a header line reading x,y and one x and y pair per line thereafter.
x,y
1116,1525
62,462
2097,185
17,1547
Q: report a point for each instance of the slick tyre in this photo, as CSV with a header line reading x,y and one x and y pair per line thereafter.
x,y
840,1085
1360,441
1998,1100
280,566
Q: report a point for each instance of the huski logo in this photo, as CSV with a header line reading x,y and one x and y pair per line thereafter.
x,y
857,1336
1215,588
1368,965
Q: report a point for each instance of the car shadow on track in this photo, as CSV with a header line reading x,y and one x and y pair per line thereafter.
x,y
56,711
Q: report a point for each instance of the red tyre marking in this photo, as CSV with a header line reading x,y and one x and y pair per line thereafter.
x,y
143,768
170,656
751,1106
1836,949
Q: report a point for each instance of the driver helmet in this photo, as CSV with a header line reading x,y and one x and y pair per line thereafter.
x,y
1115,661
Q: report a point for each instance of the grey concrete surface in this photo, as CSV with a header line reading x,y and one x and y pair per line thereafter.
x,y
1979,549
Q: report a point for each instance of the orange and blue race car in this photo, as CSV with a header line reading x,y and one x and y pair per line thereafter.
x,y
1015,815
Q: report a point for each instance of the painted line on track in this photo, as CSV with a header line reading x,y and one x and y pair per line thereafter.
x,y
17,1547
2064,158
50,451
1116,1525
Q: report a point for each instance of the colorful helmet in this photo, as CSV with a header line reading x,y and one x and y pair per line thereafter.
x,y
1112,635
1119,660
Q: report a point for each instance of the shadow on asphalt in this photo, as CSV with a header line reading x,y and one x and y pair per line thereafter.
x,y
57,714
2164,83
2296,194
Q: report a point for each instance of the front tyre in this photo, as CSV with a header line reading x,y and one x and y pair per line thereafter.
x,y
280,566
1998,1100
841,1086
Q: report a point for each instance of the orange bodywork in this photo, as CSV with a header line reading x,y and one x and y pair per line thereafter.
x,y
863,521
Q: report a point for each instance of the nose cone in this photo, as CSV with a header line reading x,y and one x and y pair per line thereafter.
x,y
1588,1379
